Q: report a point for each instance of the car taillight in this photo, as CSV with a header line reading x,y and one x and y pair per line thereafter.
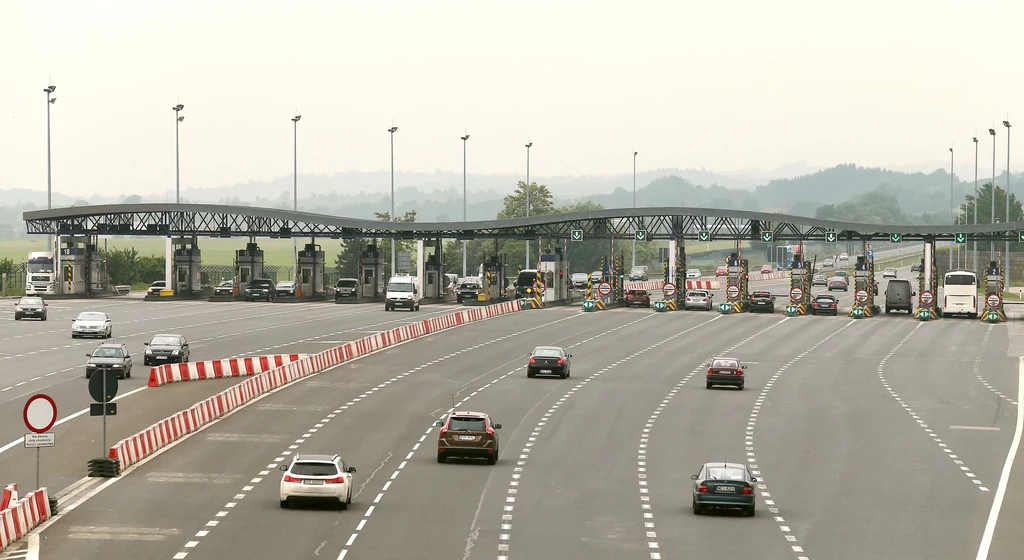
x,y
490,430
748,489
739,372
339,480
289,478
703,487
709,371
444,430
561,361
533,360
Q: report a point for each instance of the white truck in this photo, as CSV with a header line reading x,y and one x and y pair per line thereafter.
x,y
40,274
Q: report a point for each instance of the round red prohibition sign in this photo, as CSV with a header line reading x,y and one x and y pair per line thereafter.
x,y
40,413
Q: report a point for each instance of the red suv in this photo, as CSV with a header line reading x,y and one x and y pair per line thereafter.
x,y
638,297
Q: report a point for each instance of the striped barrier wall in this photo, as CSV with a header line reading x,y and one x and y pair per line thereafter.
x,y
702,284
218,369
137,447
9,496
706,282
22,516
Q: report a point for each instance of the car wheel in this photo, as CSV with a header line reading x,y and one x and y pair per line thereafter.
x,y
562,375
128,373
17,317
492,460
441,458
696,508
44,316
708,385
349,499
284,504
530,374
750,511
342,504
741,386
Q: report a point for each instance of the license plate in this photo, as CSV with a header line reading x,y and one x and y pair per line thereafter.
x,y
545,371
161,357
316,482
467,438
725,489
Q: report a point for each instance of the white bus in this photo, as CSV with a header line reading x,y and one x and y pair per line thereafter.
x,y
960,293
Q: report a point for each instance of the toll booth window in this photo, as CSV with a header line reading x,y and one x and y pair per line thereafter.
x,y
244,275
182,274
307,275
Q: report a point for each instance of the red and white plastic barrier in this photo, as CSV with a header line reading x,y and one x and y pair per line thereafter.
x,y
137,447
756,277
702,284
217,369
9,496
649,285
22,516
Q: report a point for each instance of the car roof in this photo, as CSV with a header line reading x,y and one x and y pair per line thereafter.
x,y
465,413
726,358
167,334
311,458
110,345
726,465
548,348
828,296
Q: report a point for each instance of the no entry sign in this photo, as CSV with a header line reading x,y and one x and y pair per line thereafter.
x,y
927,298
862,296
40,413
796,294
669,289
604,288
733,291
994,300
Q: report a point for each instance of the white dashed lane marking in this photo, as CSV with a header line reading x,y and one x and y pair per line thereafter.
x,y
505,535
762,487
281,458
931,433
645,434
456,406
977,368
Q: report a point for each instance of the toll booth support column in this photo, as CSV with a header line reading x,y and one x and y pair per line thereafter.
x,y
311,270
927,305
421,261
169,262
680,276
995,284
250,265
673,247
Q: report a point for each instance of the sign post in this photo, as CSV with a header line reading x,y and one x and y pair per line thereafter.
x,y
40,415
103,388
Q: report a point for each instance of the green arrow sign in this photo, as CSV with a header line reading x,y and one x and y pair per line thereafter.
x,y
961,238
706,236
724,307
577,235
858,312
767,236
588,305
641,234
791,310
895,237
660,306
831,237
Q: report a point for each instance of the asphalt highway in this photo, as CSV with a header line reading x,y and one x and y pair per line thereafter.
x,y
880,438
41,357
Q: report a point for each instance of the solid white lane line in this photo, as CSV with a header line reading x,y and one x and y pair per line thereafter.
x,y
766,496
645,434
931,433
1004,477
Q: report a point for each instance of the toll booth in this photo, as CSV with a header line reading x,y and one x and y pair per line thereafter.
x,y
83,270
371,272
864,290
248,266
311,271
736,286
493,279
187,266
994,282
554,269
433,282
799,286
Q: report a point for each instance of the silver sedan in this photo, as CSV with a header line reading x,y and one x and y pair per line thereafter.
x,y
698,299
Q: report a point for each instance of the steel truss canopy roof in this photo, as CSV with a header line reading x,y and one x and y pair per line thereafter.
x,y
703,224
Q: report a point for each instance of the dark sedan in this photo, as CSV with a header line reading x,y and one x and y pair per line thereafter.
x,y
260,289
825,304
165,349
469,291
762,302
549,360
723,485
725,371
30,306
110,356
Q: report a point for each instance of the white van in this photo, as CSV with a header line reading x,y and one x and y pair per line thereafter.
x,y
403,291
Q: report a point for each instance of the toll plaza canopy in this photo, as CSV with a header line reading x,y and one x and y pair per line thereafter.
x,y
702,224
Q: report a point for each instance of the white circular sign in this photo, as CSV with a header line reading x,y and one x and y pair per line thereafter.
x,y
994,300
669,289
604,288
796,294
733,291
926,297
40,413
862,296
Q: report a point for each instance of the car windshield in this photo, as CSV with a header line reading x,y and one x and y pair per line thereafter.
x,y
285,284
314,469
725,364
227,283
547,353
107,353
260,284
165,341
841,273
347,283
470,286
726,473
467,424
92,317
400,287
30,301
761,294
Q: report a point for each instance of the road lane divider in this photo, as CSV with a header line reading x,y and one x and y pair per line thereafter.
x,y
508,509
766,495
641,455
23,516
218,369
143,444
920,422
977,368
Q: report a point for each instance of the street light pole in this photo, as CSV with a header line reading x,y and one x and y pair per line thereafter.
x,y
295,193
1006,257
49,181
392,130
464,201
992,200
178,119
528,146
951,203
975,256
634,202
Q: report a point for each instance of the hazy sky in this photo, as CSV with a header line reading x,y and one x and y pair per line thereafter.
x,y
724,86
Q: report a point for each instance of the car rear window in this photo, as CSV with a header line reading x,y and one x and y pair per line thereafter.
x,y
726,473
527,278
725,364
696,294
638,292
468,424
314,469
547,353
824,298
761,294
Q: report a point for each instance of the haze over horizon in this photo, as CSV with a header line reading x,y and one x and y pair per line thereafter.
x,y
746,90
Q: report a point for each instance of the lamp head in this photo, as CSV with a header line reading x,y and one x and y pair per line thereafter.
x,y
50,89
951,150
635,153
975,139
393,129
181,119
53,100
296,118
992,131
178,107
466,137
530,145
1006,124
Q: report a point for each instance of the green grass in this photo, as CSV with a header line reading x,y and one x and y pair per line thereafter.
x,y
215,251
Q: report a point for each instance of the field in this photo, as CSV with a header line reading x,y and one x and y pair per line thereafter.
x,y
215,251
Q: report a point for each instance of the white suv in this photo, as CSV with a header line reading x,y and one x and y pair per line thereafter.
x,y
315,478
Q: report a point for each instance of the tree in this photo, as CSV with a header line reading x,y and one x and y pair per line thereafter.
x,y
874,207
984,203
121,265
149,269
347,261
515,203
